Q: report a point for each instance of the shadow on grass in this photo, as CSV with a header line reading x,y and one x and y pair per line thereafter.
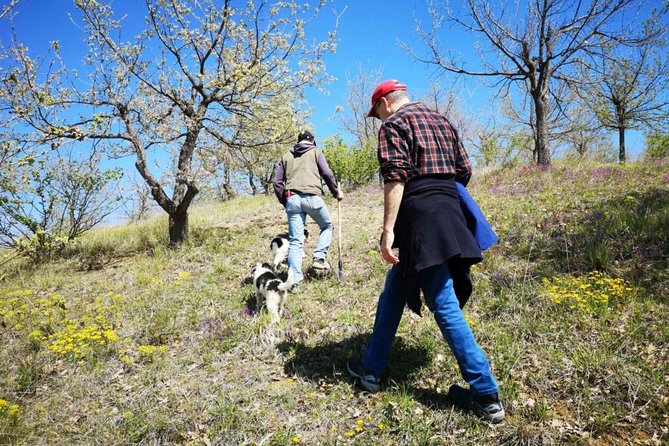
x,y
326,364
457,397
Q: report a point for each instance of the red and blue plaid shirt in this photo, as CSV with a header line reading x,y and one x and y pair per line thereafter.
x,y
416,141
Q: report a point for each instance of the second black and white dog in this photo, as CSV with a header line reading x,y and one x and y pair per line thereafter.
x,y
271,291
279,245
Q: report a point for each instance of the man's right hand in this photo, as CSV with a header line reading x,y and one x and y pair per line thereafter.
x,y
387,238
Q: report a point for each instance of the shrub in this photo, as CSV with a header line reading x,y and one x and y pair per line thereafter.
x,y
354,166
657,145
44,321
42,246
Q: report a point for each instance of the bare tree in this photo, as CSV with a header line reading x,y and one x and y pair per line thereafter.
x,y
355,121
582,134
140,203
440,100
627,91
85,195
449,104
562,110
199,70
531,44
59,196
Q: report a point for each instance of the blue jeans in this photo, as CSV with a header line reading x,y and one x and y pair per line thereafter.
x,y
437,287
297,209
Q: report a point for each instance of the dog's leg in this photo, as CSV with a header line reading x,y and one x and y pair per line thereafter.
x,y
273,304
284,296
258,302
278,259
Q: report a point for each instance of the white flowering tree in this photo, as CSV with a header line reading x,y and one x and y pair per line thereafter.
x,y
201,76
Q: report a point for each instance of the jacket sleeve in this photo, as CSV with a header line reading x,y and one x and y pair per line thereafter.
x,y
463,166
393,153
326,173
279,182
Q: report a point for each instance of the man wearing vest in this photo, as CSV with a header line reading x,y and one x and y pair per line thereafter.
x,y
297,185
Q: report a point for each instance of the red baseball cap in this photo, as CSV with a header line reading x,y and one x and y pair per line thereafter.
x,y
383,89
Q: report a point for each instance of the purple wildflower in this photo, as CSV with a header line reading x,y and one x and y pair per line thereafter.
x,y
248,311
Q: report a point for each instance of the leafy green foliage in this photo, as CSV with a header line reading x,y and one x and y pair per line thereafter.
x,y
495,148
657,145
53,201
354,166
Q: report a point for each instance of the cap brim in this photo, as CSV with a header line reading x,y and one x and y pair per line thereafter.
x,y
371,113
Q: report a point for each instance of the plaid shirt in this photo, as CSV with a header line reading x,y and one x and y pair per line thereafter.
x,y
416,141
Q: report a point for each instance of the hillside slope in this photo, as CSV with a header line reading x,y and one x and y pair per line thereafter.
x,y
123,341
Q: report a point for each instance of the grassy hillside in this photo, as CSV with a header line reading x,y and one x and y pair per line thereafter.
x,y
123,341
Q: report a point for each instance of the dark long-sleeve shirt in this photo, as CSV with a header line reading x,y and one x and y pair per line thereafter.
x,y
324,171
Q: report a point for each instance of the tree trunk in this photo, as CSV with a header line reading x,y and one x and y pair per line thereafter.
x,y
252,183
178,226
267,187
541,142
229,191
227,186
621,145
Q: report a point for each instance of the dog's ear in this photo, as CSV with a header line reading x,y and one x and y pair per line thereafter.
x,y
267,265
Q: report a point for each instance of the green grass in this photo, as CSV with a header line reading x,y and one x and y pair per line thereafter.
x,y
192,365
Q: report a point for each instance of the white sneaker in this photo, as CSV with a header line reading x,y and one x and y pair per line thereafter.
x,y
319,263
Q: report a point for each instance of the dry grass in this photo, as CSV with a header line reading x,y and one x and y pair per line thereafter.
x,y
194,365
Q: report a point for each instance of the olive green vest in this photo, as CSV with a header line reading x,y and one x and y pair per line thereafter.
x,y
301,173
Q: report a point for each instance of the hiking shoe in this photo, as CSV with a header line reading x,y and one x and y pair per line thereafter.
x,y
368,381
319,263
488,408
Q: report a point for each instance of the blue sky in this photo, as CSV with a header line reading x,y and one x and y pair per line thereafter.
x,y
369,36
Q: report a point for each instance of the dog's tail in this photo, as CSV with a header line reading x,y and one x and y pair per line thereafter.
x,y
285,286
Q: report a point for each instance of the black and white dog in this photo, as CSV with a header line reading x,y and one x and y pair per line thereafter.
x,y
279,245
270,290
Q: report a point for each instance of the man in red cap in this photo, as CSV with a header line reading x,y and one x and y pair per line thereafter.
x,y
421,159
